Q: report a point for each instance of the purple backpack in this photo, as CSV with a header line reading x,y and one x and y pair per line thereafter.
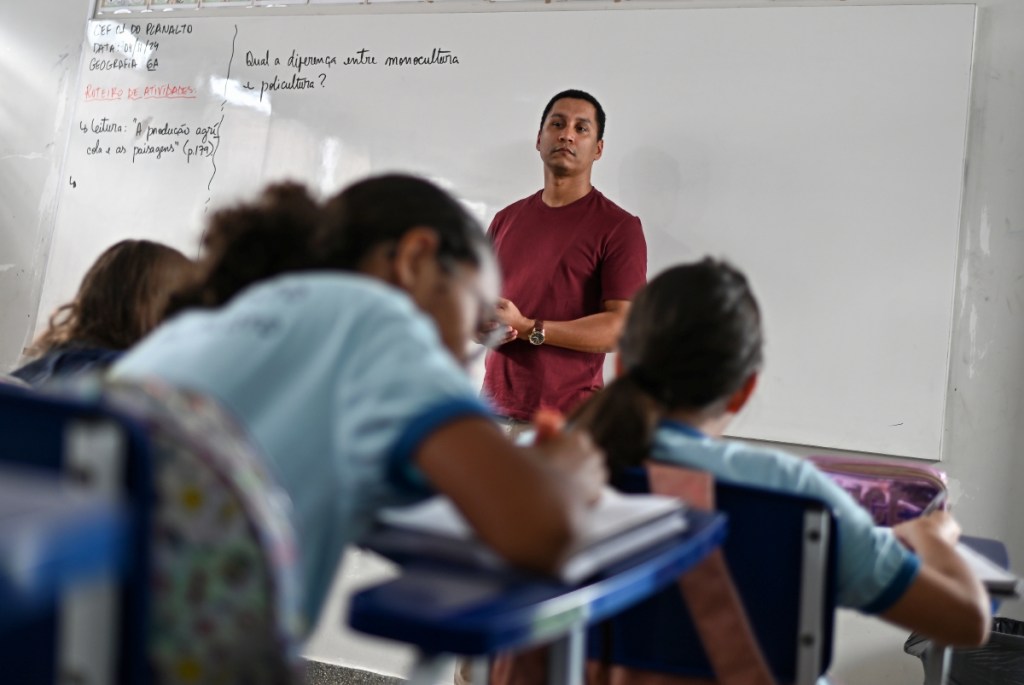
x,y
891,492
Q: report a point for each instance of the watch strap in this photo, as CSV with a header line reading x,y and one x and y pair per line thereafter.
x,y
536,336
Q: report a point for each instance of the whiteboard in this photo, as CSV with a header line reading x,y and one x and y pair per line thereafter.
x,y
820,149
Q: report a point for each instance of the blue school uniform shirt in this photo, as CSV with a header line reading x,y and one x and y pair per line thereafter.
x,y
338,378
65,362
874,568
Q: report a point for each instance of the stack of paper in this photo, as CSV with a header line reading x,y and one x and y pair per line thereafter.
x,y
618,526
997,580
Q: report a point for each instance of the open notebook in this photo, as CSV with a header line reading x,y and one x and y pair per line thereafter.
x,y
997,580
618,526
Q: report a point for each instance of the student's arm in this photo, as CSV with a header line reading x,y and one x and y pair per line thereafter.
x,y
945,601
525,503
594,333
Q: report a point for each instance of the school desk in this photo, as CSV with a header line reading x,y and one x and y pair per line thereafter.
x,y
449,610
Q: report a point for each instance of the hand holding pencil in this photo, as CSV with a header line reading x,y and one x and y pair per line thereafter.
x,y
936,502
932,522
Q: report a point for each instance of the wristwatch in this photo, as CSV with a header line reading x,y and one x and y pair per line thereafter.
x,y
536,336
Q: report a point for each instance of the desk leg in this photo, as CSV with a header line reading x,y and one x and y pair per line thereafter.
x,y
481,670
566,658
428,669
936,664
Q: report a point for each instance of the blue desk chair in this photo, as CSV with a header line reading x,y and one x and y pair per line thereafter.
x,y
781,553
98,448
214,584
54,535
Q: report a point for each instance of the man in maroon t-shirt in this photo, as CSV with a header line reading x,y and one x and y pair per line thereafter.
x,y
572,259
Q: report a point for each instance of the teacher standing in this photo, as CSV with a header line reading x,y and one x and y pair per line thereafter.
x,y
572,259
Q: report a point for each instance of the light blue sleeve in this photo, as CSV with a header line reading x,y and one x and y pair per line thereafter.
x,y
399,384
875,569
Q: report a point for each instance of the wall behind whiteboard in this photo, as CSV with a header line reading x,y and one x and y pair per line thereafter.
x,y
820,149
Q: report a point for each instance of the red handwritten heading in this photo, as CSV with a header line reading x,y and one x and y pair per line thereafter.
x,y
103,93
163,91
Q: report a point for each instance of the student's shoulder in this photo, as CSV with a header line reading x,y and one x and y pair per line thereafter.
x,y
784,469
738,462
65,361
786,472
332,290
769,467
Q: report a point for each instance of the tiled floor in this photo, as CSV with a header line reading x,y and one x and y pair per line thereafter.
x,y
320,673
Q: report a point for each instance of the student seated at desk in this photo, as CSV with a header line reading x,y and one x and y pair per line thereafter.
x,y
689,359
120,300
336,335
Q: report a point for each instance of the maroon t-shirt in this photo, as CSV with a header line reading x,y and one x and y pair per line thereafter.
x,y
559,264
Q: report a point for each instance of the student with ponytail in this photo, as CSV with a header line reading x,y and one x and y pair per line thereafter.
x,y
689,360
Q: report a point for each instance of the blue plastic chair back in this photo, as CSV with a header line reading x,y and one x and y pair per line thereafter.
x,y
212,549
764,551
36,429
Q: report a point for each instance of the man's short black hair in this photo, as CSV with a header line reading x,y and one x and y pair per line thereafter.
x,y
577,95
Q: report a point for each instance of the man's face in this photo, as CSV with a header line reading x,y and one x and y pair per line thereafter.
x,y
567,140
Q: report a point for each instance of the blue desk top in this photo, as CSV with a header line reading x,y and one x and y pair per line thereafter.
x,y
470,612
51,534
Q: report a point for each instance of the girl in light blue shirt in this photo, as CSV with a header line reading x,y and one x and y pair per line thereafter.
x,y
689,360
336,334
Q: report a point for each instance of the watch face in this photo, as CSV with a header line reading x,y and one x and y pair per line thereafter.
x,y
537,337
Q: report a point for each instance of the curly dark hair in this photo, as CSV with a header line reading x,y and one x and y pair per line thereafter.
x,y
249,242
286,230
120,299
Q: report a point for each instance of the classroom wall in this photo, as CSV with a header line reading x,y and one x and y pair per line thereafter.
x,y
985,412
39,50
39,47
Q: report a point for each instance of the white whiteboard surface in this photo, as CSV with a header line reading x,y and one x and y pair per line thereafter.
x,y
820,149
